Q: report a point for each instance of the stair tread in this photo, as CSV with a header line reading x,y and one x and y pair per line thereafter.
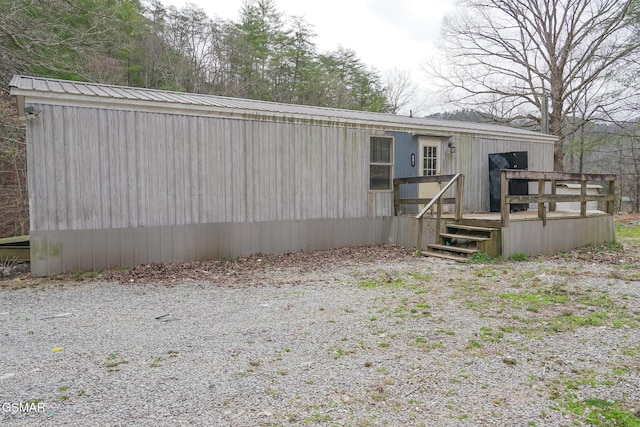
x,y
470,227
452,248
445,256
465,237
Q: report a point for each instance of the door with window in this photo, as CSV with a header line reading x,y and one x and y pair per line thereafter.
x,y
429,155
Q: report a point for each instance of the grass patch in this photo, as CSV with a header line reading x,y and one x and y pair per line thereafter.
x,y
627,231
519,257
482,258
115,362
488,334
533,299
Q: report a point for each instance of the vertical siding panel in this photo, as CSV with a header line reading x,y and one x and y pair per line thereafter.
x,y
331,172
153,143
112,147
161,172
104,183
340,171
294,182
48,170
84,174
288,173
232,139
290,185
268,196
128,171
322,178
252,158
238,176
216,144
132,172
304,173
203,170
280,158
88,170
227,182
38,181
180,161
143,164
354,172
95,162
286,208
210,168
191,146
299,172
273,172
265,195
317,162
72,155
255,149
312,177
171,164
60,165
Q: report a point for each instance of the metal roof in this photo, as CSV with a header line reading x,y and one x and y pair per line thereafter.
x,y
38,87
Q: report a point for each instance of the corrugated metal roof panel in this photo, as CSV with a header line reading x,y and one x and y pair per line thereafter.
x,y
98,90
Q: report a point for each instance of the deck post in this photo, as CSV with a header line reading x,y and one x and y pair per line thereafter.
x,y
504,193
542,213
419,243
583,195
396,197
554,186
611,204
459,197
438,216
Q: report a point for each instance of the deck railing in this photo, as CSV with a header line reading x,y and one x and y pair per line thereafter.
x,y
438,200
608,182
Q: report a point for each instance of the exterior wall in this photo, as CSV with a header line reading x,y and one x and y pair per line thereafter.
x,y
140,179
472,160
101,169
77,250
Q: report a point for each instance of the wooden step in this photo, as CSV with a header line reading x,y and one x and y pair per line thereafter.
x,y
469,227
444,256
476,222
465,237
452,249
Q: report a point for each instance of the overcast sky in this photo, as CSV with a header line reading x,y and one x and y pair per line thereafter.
x,y
385,34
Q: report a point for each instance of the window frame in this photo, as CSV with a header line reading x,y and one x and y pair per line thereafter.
x,y
389,164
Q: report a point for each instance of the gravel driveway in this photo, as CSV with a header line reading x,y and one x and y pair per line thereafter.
x,y
350,337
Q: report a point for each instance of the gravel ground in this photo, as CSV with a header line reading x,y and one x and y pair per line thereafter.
x,y
358,337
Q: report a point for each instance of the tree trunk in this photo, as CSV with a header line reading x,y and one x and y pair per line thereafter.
x,y
555,126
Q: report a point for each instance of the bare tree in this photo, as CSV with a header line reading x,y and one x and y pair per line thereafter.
x,y
509,56
400,89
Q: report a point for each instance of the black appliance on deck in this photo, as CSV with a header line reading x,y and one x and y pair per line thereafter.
x,y
517,187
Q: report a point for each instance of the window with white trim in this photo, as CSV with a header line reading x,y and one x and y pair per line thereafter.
x,y
381,163
429,160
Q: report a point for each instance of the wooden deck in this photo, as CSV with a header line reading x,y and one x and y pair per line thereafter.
x,y
528,215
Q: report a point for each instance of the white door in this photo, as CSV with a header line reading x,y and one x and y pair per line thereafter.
x,y
429,155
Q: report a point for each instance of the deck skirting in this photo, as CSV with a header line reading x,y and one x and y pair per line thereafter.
x,y
558,235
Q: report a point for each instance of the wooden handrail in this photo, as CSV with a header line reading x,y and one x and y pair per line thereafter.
x,y
438,199
437,196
